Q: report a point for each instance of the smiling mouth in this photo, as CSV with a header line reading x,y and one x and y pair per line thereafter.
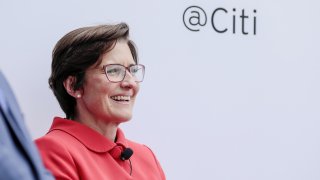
x,y
121,98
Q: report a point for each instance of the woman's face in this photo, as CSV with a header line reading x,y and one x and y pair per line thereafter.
x,y
107,101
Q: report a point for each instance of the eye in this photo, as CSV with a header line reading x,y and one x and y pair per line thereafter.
x,y
135,69
112,71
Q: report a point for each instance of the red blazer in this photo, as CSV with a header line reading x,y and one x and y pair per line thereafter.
x,y
71,150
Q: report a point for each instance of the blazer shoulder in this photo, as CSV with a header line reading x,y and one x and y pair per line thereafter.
x,y
56,138
9,102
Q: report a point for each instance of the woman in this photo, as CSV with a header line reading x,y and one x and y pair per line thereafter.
x,y
95,77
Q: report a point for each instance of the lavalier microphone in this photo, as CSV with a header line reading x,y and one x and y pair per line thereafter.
x,y
126,154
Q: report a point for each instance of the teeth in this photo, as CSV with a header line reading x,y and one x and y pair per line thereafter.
x,y
121,98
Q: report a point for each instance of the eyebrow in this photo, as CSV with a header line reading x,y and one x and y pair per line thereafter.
x,y
132,64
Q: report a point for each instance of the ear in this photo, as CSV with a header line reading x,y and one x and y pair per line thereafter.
x,y
68,85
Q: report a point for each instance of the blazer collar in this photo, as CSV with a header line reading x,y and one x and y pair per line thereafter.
x,y
88,137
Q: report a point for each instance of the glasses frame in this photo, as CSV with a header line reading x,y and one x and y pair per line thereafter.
x,y
125,72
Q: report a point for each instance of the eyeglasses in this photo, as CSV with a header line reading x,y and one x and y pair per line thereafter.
x,y
117,72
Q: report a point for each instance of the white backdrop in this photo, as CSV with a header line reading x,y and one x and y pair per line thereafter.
x,y
223,106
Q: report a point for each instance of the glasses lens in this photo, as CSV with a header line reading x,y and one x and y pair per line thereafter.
x,y
114,72
137,71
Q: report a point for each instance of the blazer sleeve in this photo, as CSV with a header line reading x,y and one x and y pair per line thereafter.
x,y
57,159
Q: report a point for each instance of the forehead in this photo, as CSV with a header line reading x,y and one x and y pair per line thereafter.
x,y
120,54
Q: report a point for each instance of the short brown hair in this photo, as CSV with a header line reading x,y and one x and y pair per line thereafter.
x,y
78,50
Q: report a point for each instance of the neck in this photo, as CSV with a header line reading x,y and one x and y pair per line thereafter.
x,y
108,130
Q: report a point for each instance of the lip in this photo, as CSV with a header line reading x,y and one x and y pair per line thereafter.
x,y
123,95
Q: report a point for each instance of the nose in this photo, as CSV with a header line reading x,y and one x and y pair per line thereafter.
x,y
128,81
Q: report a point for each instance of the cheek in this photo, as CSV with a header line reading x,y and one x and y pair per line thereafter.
x,y
100,87
136,89
108,88
95,92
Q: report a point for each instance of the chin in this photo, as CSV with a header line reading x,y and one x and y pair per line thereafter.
x,y
125,118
